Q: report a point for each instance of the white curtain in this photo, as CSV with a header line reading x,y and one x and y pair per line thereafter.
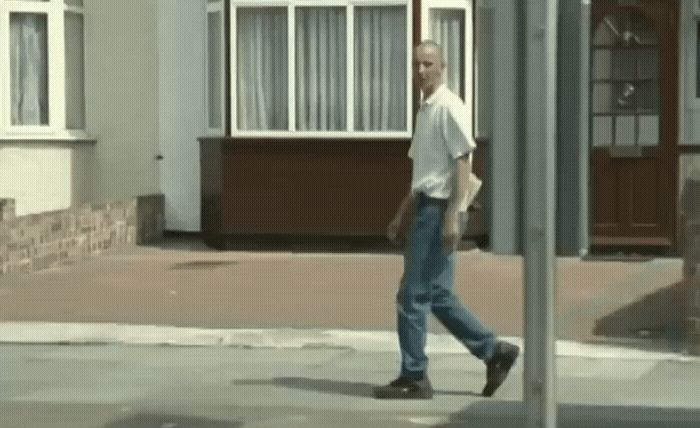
x,y
380,68
262,68
447,29
75,72
320,69
214,64
29,69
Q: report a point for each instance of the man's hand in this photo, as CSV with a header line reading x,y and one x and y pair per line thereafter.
x,y
449,231
392,230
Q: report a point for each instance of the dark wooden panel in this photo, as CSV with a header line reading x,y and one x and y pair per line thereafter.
x,y
308,186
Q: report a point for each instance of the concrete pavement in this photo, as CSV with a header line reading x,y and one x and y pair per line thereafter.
x,y
284,338
118,386
184,284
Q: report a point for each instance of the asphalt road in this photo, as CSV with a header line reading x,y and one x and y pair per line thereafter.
x,y
118,386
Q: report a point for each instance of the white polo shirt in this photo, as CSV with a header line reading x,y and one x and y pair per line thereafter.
x,y
443,133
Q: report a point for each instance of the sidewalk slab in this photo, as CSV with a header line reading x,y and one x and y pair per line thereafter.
x,y
202,289
359,341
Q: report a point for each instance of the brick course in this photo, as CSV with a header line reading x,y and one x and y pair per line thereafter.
x,y
692,281
40,241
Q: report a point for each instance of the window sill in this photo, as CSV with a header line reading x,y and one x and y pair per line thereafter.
x,y
48,137
329,135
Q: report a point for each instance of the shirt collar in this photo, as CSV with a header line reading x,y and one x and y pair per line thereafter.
x,y
432,98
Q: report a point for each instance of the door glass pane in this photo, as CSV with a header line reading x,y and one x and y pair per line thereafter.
x,y
261,68
606,34
648,63
624,130
380,65
648,130
447,29
29,82
649,97
602,98
602,131
625,78
320,69
214,66
75,72
602,64
625,64
626,29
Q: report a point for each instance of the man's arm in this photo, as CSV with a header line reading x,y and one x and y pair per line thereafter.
x,y
463,169
406,205
450,228
392,230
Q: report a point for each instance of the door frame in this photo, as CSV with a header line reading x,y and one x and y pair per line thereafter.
x,y
672,87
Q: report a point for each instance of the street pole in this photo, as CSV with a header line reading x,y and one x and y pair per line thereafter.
x,y
540,202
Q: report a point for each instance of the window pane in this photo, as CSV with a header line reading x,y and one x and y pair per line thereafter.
x,y
74,3
648,63
320,69
648,130
380,68
697,64
602,131
624,130
214,64
602,98
262,68
447,29
75,72
625,64
602,64
29,81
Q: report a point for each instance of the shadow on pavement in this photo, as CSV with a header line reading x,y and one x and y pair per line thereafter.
x,y
656,316
510,414
354,389
171,421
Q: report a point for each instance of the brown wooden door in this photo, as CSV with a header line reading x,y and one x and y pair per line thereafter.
x,y
634,86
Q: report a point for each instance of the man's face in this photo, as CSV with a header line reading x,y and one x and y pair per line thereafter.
x,y
427,67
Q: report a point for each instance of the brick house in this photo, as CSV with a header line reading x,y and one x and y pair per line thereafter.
x,y
304,112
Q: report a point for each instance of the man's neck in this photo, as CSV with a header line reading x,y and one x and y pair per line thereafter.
x,y
429,91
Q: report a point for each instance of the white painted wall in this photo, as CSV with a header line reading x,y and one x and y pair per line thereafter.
x,y
181,41
122,95
45,176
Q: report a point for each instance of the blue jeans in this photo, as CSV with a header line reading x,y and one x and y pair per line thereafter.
x,y
428,284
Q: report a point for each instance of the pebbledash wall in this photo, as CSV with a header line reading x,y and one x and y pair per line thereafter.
x,y
39,241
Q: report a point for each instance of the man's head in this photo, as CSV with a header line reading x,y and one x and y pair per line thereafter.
x,y
428,65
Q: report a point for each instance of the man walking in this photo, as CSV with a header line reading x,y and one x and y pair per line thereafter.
x,y
441,153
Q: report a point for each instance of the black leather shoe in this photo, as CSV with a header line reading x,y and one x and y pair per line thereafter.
x,y
404,388
498,366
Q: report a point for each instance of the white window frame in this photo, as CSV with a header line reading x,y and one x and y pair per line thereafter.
x,y
692,57
350,132
56,129
216,7
468,7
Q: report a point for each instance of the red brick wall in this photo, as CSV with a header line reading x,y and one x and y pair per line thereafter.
x,y
40,241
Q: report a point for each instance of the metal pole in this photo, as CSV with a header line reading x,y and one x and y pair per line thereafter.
x,y
584,133
540,203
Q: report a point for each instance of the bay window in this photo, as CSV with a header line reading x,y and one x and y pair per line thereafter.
x,y
43,79
450,23
314,68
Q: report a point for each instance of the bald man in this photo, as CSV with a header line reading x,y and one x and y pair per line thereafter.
x,y
441,152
